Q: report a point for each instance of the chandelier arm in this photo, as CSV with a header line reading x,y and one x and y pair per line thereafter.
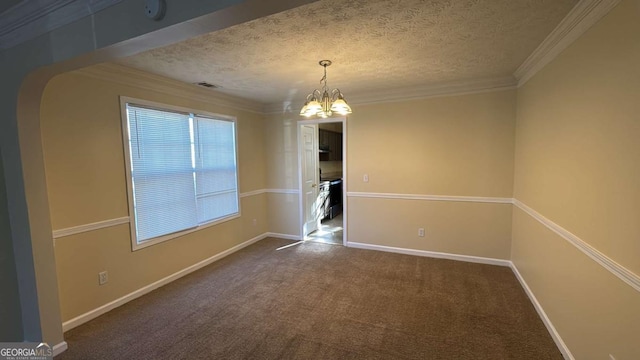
x,y
324,102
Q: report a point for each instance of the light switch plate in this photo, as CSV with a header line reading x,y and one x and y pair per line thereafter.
x,y
103,278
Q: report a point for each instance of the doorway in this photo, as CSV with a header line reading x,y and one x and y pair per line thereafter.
x,y
322,160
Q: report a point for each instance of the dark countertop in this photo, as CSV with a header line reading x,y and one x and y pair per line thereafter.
x,y
330,178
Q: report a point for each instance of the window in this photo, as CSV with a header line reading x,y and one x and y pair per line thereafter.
x,y
182,171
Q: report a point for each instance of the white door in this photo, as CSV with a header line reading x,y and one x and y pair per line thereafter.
x,y
310,177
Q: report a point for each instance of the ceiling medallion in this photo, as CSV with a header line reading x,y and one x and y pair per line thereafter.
x,y
324,103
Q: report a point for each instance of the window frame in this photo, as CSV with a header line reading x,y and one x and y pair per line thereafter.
x,y
124,100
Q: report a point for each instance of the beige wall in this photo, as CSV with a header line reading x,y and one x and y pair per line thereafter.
x,y
458,145
284,214
281,149
577,159
84,162
455,146
464,228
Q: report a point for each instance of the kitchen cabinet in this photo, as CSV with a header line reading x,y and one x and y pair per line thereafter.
x,y
330,145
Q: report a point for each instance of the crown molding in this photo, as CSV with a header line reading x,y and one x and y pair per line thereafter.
x,y
140,79
580,19
29,19
410,93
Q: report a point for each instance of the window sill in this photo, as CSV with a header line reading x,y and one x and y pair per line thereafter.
x,y
137,246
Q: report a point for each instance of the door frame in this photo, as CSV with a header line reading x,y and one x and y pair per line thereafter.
x,y
306,229
342,120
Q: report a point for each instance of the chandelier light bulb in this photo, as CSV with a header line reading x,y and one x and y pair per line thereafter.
x,y
341,107
323,103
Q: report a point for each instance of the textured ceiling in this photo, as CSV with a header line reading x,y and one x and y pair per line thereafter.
x,y
374,44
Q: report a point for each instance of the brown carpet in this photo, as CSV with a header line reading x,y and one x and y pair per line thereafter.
x,y
320,301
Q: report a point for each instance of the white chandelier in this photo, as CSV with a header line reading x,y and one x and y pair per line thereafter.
x,y
325,103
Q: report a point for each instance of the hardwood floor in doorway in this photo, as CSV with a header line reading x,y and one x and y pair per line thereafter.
x,y
329,232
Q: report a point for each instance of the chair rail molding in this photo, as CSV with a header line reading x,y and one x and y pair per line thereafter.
x,y
90,227
624,274
606,262
478,199
79,229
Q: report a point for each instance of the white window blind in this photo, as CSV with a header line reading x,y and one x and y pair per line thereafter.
x,y
216,175
183,170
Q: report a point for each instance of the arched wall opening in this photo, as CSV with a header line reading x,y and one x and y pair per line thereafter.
x,y
117,31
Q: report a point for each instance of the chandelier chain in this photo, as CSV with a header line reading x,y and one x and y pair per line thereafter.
x,y
324,103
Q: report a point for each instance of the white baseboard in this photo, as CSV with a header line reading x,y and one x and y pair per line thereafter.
x,y
88,316
624,274
482,260
59,348
283,236
545,319
432,254
79,320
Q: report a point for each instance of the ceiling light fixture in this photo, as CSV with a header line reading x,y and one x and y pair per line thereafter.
x,y
325,103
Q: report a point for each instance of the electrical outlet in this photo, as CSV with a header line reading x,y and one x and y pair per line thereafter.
x,y
365,178
103,277
255,222
421,232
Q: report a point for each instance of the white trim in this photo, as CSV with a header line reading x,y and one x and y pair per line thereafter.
x,y
566,353
478,199
283,191
59,348
454,88
125,219
616,269
30,19
580,19
481,260
252,193
90,315
283,236
345,182
90,227
304,228
195,114
343,121
127,166
127,76
135,246
25,12
269,191
431,254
